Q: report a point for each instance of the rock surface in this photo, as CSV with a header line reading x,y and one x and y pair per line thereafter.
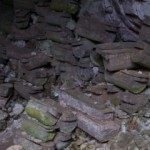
x,y
74,64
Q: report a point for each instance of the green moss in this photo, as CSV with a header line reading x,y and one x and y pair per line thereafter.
x,y
1,81
58,5
51,136
82,77
22,25
52,38
133,88
40,82
116,101
107,110
80,133
137,90
73,9
41,117
29,129
6,29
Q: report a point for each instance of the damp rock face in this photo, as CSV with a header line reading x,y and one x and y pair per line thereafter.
x,y
39,113
101,130
83,103
48,122
3,123
75,64
120,79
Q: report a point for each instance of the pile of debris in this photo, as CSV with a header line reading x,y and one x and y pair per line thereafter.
x,y
67,67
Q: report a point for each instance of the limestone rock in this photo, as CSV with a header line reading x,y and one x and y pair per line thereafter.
x,y
60,35
37,77
6,89
61,145
122,141
40,112
22,18
120,79
144,34
94,30
15,52
33,32
85,63
101,130
27,90
99,88
36,130
69,6
113,46
58,50
118,59
81,102
68,116
97,60
38,60
63,137
25,143
142,58
131,103
3,102
82,48
67,127
17,109
15,147
53,17
3,123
